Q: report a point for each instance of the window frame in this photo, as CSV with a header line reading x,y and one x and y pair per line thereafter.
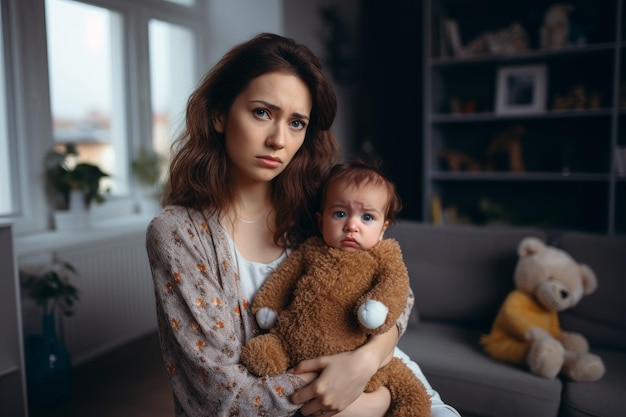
x,y
30,124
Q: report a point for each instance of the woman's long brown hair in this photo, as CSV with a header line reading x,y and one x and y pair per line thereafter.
x,y
199,170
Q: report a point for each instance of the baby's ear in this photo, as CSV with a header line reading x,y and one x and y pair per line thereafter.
x,y
382,232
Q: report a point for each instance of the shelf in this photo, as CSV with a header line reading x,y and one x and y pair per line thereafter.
x,y
531,55
489,116
518,176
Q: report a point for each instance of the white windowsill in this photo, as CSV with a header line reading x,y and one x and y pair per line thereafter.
x,y
100,231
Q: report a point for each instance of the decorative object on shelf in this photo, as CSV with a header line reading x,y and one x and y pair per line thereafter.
x,y
463,107
556,25
436,211
558,30
452,36
146,167
521,90
493,212
48,363
73,186
578,97
453,160
508,41
504,153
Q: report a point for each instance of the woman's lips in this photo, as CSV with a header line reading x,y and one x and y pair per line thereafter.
x,y
269,161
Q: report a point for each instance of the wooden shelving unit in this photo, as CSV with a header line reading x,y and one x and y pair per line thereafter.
x,y
570,177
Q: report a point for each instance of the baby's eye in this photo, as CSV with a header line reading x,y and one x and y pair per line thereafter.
x,y
339,214
261,113
367,218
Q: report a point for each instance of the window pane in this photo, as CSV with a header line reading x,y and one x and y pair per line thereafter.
x,y
6,200
86,86
172,75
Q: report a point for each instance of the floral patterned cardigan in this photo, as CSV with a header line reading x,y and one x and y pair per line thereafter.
x,y
204,320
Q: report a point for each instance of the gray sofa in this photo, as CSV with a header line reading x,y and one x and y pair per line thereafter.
x,y
461,275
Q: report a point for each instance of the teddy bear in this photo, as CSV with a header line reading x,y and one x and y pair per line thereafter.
x,y
322,301
526,330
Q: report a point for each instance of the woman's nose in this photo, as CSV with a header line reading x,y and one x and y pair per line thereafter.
x,y
276,139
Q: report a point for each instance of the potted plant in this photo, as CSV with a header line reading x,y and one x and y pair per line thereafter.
x,y
50,287
73,185
48,363
65,174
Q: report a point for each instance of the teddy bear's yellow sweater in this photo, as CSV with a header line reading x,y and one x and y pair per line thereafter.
x,y
518,314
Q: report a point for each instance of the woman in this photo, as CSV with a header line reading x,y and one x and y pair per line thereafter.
x,y
240,196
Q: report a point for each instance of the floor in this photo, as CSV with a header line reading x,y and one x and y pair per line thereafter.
x,y
128,382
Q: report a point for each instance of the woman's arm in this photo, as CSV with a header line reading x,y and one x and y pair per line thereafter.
x,y
202,324
343,376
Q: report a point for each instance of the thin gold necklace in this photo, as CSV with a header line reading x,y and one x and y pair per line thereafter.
x,y
252,221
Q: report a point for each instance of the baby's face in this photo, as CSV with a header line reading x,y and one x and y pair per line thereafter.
x,y
353,218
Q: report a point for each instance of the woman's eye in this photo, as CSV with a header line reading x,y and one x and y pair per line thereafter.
x,y
298,124
261,113
339,214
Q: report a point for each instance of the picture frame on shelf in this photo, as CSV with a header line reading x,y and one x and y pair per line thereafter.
x,y
521,90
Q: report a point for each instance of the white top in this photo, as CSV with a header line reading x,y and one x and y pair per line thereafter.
x,y
253,274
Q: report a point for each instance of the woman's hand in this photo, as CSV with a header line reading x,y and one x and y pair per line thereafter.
x,y
341,380
342,377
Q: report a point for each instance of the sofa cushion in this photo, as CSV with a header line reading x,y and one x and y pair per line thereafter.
x,y
603,398
600,316
469,380
459,273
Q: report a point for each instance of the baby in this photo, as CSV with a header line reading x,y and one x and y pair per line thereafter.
x,y
334,291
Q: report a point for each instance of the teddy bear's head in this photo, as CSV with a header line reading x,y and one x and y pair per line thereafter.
x,y
554,279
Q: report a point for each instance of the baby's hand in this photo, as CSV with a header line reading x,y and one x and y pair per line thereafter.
x,y
266,318
372,314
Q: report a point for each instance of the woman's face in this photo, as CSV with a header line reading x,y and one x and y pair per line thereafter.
x,y
266,126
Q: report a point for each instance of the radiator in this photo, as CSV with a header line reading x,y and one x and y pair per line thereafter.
x,y
116,296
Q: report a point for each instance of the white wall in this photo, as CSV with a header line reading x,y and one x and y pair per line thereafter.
x,y
230,22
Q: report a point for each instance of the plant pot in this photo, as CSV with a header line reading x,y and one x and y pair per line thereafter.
x,y
76,216
68,220
48,366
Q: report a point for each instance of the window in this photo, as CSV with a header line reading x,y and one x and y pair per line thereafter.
x,y
172,80
87,86
79,71
6,191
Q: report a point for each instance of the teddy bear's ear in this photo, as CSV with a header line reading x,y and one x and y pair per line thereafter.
x,y
529,246
590,281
